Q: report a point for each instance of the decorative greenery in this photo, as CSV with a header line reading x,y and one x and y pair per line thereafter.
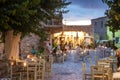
x,y
40,51
113,14
54,45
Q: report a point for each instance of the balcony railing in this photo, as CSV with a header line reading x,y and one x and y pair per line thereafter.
x,y
54,23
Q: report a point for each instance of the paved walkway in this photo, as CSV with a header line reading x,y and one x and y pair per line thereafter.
x,y
69,70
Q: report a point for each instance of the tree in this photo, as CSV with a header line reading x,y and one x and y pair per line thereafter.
x,y
113,14
18,17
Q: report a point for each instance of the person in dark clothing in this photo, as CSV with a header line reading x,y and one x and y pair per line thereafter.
x,y
54,51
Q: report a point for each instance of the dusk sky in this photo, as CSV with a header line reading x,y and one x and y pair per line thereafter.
x,y
84,10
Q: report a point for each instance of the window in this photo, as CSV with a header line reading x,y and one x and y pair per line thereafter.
x,y
95,24
101,24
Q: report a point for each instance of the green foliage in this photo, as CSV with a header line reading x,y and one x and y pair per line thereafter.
x,y
25,15
42,33
113,14
54,45
17,15
40,49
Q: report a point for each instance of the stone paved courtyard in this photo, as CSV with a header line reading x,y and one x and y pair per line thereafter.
x,y
69,70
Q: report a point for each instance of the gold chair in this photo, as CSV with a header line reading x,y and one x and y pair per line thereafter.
x,y
108,73
104,63
17,70
98,72
48,66
14,73
85,74
31,70
40,70
22,68
96,58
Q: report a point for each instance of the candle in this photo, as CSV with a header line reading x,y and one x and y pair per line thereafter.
x,y
12,63
40,57
24,64
28,56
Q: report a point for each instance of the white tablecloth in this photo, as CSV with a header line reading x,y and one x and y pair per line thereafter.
x,y
116,75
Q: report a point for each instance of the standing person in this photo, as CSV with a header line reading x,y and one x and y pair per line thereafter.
x,y
117,51
54,51
70,47
77,55
49,47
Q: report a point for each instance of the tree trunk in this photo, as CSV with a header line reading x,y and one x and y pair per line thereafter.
x,y
12,45
113,38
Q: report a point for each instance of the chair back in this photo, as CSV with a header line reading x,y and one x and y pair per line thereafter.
x,y
40,70
98,72
97,69
83,67
85,75
31,69
108,72
83,70
48,66
104,63
96,58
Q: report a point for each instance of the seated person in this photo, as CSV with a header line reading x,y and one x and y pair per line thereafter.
x,y
33,51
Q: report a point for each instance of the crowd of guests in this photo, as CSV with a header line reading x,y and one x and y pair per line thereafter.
x,y
57,52
64,49
102,51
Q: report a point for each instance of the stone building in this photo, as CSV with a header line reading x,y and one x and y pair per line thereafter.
x,y
100,29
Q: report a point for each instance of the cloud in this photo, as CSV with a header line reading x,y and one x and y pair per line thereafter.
x,y
85,10
91,4
78,13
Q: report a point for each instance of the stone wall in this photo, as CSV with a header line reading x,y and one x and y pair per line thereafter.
x,y
100,28
1,47
28,42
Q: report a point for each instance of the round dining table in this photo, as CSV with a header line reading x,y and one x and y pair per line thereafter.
x,y
116,76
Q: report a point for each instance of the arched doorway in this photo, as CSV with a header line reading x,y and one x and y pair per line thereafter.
x,y
71,38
